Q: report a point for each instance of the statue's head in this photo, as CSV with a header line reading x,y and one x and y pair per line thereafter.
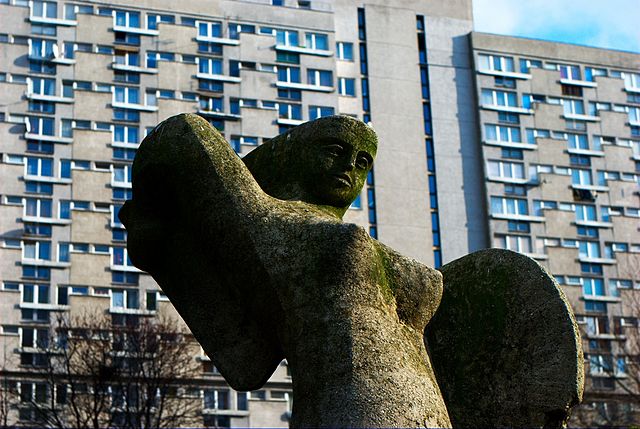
x,y
322,162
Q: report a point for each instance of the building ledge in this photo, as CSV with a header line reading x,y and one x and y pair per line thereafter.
x,y
136,69
142,31
52,98
589,260
507,180
41,137
593,223
513,75
578,83
238,413
47,220
632,89
285,121
63,61
53,21
38,306
303,50
130,106
138,311
219,77
220,115
537,256
602,298
507,109
579,117
514,145
587,152
126,268
526,218
219,40
44,263
304,86
595,188
32,178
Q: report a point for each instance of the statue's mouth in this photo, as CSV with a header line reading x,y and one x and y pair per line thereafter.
x,y
343,178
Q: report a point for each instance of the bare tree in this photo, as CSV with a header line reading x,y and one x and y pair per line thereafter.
x,y
100,374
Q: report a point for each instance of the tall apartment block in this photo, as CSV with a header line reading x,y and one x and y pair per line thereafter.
x,y
82,83
560,137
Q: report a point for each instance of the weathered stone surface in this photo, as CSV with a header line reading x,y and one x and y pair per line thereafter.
x,y
504,343
258,279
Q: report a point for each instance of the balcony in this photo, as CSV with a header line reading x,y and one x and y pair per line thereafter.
x,y
513,180
47,220
594,223
581,117
46,179
526,218
588,152
287,121
591,188
596,260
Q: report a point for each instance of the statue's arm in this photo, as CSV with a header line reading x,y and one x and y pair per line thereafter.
x,y
191,224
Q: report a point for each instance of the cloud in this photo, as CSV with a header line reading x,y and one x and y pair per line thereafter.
x,y
612,24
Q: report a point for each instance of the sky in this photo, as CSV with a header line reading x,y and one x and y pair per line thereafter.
x,y
611,24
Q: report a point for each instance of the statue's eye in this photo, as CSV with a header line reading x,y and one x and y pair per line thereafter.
x,y
363,162
334,149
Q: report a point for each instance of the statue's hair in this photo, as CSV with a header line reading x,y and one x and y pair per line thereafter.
x,y
277,165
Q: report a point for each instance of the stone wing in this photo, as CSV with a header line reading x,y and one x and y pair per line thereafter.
x,y
190,226
504,343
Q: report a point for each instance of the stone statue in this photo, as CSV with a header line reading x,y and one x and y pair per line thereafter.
x,y
255,257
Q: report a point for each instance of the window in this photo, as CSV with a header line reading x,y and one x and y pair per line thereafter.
x,y
125,134
517,243
35,207
121,175
235,30
591,73
317,41
154,57
507,170
578,141
216,399
499,98
126,95
154,20
123,18
209,29
585,212
42,167
35,294
509,206
125,298
40,126
319,77
502,133
347,86
316,112
42,86
290,111
289,74
495,63
572,107
287,37
589,249
212,66
37,250
124,38
569,72
632,81
44,9
344,51
213,104
581,177
127,58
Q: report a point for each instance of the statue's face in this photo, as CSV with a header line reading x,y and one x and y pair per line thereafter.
x,y
336,169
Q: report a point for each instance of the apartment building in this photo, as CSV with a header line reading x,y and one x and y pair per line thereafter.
x,y
82,82
560,137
